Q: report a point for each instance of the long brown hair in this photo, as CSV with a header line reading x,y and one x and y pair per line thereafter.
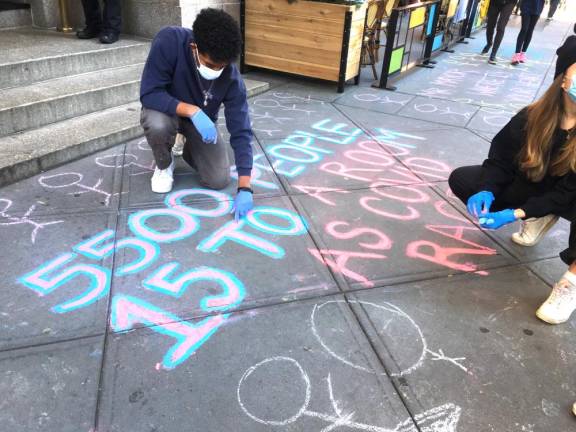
x,y
544,117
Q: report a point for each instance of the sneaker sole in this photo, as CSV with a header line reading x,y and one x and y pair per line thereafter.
x,y
161,191
546,228
548,319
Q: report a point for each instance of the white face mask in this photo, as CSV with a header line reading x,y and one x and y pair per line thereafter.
x,y
206,72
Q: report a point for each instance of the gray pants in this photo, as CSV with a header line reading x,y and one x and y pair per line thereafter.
x,y
210,160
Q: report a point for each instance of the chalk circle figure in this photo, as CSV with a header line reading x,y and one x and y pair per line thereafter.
x,y
269,369
74,179
443,418
130,160
393,325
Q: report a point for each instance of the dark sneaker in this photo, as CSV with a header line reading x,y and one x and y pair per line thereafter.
x,y
492,60
88,33
486,49
109,38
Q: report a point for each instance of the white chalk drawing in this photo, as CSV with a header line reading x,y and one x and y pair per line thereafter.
x,y
116,161
267,116
372,97
143,145
406,326
433,108
439,419
285,96
74,179
274,104
6,219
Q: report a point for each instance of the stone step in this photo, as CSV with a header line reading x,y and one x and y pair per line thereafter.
x,y
25,154
43,103
31,55
29,153
19,16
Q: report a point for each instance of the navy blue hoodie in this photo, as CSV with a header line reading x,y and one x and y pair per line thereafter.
x,y
170,77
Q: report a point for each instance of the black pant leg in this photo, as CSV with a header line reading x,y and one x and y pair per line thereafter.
x,y
523,31
528,38
493,12
113,16
464,181
92,14
501,28
553,7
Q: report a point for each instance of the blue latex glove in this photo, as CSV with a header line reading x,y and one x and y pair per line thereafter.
x,y
497,219
205,127
242,204
480,203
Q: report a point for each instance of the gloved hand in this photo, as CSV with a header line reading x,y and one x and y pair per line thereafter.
x,y
480,203
497,219
242,204
204,126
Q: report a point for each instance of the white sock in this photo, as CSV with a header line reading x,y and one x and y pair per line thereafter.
x,y
570,277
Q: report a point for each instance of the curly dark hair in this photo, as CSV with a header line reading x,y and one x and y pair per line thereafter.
x,y
217,35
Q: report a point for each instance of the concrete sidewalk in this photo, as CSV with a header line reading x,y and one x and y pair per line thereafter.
x,y
358,296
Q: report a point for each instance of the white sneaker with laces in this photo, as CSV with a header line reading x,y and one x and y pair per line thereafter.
x,y
533,230
560,304
162,180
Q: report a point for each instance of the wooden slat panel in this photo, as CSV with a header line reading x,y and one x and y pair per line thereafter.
x,y
291,52
288,36
304,24
291,66
299,8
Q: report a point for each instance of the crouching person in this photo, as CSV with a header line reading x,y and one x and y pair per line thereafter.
x,y
530,175
188,75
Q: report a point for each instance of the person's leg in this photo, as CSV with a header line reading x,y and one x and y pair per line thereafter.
x,y
210,160
93,20
160,132
522,35
464,181
529,32
492,18
553,7
562,301
113,16
501,28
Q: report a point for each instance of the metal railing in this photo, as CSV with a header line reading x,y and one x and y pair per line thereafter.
x,y
410,38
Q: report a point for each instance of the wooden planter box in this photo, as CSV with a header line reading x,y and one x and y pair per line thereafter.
x,y
313,39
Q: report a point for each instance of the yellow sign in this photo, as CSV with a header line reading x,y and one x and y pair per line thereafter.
x,y
417,17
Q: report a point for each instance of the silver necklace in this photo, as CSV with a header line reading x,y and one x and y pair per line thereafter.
x,y
207,93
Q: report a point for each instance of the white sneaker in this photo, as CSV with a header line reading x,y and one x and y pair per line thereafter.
x,y
560,304
574,408
162,180
178,148
533,230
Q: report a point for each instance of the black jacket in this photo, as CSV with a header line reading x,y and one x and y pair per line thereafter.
x,y
556,195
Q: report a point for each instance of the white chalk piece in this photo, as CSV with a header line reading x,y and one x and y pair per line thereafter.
x,y
482,220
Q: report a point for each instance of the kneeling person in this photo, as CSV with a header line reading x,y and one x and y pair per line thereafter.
x,y
187,77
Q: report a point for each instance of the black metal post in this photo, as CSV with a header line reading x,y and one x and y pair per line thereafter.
x,y
390,37
344,53
430,37
357,78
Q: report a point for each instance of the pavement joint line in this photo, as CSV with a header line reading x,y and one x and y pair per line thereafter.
x,y
280,304
52,342
118,177
393,382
